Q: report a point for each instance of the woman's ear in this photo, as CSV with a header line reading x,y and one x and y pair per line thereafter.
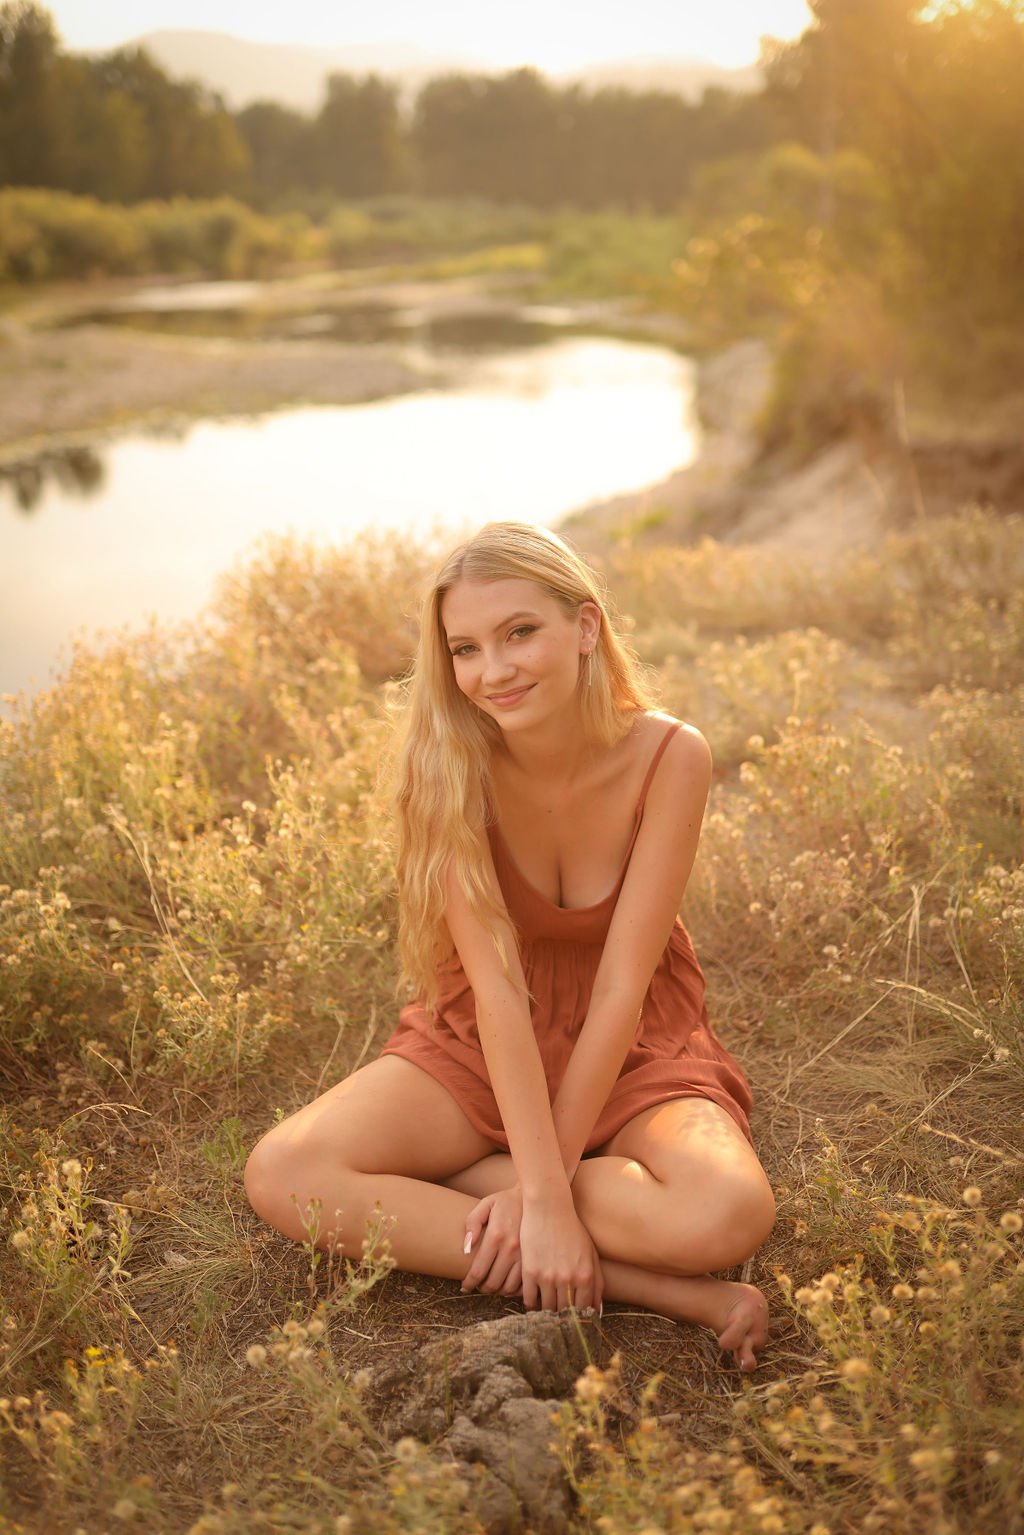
x,y
590,626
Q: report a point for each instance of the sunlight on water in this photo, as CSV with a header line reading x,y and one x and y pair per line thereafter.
x,y
530,434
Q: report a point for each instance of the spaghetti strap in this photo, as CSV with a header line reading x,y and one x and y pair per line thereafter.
x,y
666,738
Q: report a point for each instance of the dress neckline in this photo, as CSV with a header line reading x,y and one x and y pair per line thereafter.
x,y
593,905
495,826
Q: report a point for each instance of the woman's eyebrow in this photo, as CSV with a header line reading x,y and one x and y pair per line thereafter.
x,y
459,639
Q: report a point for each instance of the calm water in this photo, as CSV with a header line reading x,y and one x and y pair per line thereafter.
x,y
144,525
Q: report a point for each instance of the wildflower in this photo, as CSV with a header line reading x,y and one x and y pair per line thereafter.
x,y
971,1197
950,1269
880,1315
21,1241
992,1457
902,1292
361,1380
830,1282
256,1355
1010,1222
590,1386
855,1370
71,1169
407,1449
124,1508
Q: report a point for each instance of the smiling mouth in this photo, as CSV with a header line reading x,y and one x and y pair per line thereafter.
x,y
511,697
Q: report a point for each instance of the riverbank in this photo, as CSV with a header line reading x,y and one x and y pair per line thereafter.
x,y
65,380
846,496
66,375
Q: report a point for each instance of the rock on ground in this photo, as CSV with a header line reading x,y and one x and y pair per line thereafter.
x,y
487,1395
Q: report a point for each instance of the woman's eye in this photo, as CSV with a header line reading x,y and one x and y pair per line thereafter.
x,y
462,650
523,630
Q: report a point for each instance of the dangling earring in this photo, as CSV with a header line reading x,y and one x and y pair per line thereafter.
x,y
590,668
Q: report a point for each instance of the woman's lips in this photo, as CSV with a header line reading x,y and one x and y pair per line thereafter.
x,y
503,700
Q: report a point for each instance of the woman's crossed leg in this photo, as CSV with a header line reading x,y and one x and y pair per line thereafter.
x,y
675,1195
677,1192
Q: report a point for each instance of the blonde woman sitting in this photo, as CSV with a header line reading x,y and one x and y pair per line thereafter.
x,y
553,1118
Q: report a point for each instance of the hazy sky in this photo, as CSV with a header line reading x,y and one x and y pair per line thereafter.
x,y
553,34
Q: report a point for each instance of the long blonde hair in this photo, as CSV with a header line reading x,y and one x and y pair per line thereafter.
x,y
442,783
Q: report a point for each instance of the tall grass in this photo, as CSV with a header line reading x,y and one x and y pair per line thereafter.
x,y
196,932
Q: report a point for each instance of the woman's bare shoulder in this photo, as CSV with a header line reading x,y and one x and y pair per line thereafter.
x,y
687,746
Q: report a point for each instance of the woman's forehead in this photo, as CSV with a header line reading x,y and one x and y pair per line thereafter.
x,y
483,604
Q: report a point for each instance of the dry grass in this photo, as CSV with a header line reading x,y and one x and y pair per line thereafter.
x,y
195,934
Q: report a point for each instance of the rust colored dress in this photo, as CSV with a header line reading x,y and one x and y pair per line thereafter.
x,y
675,1053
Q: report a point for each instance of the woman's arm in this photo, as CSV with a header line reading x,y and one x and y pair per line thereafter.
x,y
651,894
557,1257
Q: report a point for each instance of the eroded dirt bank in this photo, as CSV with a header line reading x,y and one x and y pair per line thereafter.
x,y
845,496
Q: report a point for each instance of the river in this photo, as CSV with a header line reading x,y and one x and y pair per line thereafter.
x,y
141,525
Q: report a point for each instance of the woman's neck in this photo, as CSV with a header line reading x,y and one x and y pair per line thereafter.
x,y
557,753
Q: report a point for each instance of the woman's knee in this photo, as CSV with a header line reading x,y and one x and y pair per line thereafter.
x,y
741,1218
284,1179
727,1229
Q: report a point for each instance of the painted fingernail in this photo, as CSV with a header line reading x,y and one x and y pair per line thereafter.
x,y
600,1310
467,1246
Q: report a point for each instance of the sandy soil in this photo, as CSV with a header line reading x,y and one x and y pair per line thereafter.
x,y
95,378
57,384
846,496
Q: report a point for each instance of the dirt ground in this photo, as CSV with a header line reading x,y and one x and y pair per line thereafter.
x,y
94,379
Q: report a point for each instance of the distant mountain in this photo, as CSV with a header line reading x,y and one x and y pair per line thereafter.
x,y
294,75
685,77
290,73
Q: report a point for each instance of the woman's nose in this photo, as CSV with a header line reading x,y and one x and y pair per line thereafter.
x,y
497,667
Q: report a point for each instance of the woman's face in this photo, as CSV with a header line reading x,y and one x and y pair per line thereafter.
x,y
516,653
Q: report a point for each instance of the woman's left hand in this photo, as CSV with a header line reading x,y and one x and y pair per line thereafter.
x,y
492,1227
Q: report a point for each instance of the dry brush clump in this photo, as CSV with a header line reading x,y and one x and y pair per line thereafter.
x,y
196,934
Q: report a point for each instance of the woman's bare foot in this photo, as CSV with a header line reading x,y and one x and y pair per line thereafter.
x,y
736,1313
745,1326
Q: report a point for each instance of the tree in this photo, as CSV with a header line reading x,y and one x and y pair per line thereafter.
x,y
33,125
279,141
356,145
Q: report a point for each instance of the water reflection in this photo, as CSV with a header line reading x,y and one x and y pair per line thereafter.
x,y
482,332
360,324
78,471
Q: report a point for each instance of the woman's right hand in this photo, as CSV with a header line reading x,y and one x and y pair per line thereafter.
x,y
539,1249
560,1264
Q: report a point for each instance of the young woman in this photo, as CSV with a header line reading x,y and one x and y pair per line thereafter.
x,y
554,1117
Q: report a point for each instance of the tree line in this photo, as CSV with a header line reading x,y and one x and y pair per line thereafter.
x,y
119,128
